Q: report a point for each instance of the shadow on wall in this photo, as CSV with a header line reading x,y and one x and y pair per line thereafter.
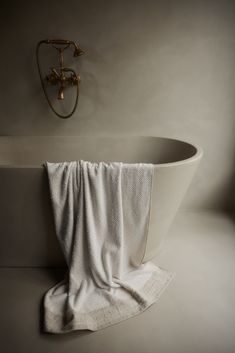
x,y
230,197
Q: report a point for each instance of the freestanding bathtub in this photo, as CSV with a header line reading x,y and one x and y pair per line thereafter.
x,y
25,210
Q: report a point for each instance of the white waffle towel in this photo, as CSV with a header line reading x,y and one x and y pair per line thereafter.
x,y
101,213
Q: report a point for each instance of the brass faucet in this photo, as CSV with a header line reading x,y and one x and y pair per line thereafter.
x,y
65,76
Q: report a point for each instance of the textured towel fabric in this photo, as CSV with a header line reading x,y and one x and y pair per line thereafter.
x,y
101,213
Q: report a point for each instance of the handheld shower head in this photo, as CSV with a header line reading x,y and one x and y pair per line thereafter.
x,y
77,51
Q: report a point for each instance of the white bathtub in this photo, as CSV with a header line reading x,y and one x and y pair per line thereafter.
x,y
26,224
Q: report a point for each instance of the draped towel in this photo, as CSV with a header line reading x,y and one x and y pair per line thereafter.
x,y
101,212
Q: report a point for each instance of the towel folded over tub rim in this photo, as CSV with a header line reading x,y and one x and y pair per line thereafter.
x,y
101,213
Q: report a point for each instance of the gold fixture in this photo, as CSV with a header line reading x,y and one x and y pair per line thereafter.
x,y
63,77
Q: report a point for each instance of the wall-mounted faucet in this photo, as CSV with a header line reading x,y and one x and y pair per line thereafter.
x,y
62,77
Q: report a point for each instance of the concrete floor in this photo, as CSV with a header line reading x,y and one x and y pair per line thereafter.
x,y
196,314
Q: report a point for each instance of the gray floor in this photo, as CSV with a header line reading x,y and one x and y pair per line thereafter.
x,y
195,314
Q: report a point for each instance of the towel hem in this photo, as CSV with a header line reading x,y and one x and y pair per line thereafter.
x,y
111,315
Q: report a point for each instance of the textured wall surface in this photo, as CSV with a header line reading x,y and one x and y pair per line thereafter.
x,y
162,68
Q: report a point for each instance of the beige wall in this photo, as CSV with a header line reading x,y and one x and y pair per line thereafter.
x,y
162,68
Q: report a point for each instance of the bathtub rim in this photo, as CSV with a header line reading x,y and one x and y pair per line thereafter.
x,y
196,157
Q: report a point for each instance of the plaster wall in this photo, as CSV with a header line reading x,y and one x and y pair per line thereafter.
x,y
164,68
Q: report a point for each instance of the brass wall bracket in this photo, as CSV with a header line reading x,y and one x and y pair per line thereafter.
x,y
62,77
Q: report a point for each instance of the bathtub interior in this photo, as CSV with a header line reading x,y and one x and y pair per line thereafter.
x,y
34,151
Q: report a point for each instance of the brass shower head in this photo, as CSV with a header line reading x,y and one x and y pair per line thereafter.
x,y
77,51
